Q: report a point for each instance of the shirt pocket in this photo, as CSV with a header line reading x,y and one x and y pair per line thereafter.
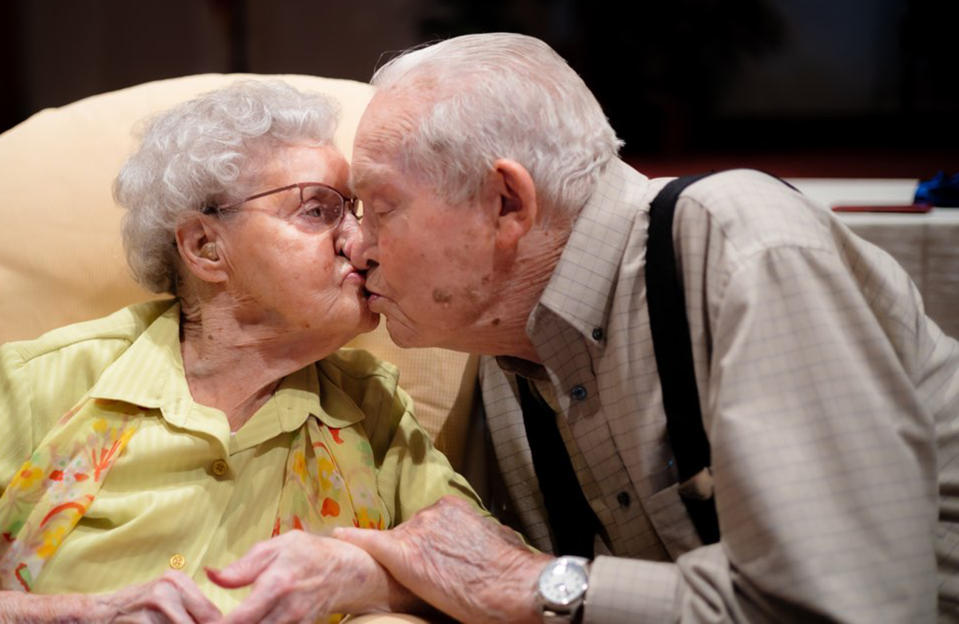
x,y
669,518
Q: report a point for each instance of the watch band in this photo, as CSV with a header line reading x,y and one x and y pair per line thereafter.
x,y
574,617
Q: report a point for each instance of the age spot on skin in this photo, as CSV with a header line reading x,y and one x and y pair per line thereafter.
x,y
495,322
442,296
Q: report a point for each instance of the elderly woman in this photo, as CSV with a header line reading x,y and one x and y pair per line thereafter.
x,y
146,453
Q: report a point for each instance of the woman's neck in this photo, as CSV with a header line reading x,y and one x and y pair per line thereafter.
x,y
234,363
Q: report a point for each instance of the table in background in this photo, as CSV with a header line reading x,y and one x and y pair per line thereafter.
x,y
926,245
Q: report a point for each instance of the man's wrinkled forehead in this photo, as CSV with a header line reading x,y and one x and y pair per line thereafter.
x,y
367,174
389,117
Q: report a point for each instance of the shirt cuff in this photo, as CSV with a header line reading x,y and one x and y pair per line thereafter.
x,y
630,590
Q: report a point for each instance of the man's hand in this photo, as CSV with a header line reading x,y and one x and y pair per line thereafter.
x,y
301,577
465,565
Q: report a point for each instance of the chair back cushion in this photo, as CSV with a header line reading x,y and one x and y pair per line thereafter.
x,y
61,255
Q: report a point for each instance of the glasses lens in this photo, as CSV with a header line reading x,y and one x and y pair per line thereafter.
x,y
322,203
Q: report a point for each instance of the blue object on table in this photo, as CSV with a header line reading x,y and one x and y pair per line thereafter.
x,y
941,190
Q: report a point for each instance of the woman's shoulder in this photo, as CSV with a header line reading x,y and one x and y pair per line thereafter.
x,y
370,383
118,329
41,379
359,365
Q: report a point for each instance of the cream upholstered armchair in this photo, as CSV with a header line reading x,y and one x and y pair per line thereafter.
x,y
61,256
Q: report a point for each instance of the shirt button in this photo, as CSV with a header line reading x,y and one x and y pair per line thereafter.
x,y
219,468
623,499
177,561
578,393
598,333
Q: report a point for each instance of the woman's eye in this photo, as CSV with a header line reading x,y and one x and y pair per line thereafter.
x,y
315,209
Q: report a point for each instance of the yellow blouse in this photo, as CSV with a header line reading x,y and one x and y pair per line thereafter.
x,y
186,493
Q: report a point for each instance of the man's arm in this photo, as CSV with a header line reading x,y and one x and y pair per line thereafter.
x,y
466,565
823,455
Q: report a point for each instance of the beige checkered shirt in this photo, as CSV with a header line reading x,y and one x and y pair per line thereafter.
x,y
830,400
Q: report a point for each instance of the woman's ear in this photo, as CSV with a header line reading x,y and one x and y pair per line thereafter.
x,y
513,192
196,240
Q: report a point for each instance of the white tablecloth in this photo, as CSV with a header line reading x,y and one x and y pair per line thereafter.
x,y
926,245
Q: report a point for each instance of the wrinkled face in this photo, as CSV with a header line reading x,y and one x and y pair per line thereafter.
x,y
429,265
287,271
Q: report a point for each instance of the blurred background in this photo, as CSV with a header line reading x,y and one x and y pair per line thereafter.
x,y
848,88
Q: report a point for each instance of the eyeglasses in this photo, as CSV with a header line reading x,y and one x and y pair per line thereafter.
x,y
317,201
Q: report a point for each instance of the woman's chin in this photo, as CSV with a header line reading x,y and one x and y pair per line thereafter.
x,y
371,320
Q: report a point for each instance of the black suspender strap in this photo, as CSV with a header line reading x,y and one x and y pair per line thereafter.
x,y
572,520
674,356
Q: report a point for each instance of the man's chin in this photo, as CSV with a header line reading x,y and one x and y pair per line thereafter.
x,y
403,335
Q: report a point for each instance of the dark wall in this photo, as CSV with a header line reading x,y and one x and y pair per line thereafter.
x,y
841,81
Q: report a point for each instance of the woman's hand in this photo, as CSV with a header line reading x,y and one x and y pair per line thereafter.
x,y
173,598
300,577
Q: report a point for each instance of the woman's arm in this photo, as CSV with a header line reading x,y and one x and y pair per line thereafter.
x,y
18,607
173,597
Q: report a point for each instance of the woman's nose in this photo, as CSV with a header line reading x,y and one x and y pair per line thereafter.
x,y
351,241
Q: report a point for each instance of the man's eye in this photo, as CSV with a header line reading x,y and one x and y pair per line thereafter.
x,y
382,208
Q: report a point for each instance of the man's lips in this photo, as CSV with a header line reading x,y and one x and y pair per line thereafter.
x,y
371,295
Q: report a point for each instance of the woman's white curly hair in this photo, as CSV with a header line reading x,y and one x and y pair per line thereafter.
x,y
196,151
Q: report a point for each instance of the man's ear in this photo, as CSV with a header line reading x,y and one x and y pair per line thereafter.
x,y
513,194
198,244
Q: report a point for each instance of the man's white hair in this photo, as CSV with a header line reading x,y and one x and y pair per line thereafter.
x,y
498,95
196,151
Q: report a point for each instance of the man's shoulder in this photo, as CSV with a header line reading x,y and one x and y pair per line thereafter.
x,y
752,210
740,190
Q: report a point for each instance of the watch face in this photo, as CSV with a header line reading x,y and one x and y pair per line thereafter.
x,y
563,583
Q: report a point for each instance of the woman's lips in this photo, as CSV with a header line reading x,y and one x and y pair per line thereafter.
x,y
355,276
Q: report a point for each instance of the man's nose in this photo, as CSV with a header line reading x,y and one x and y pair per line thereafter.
x,y
354,242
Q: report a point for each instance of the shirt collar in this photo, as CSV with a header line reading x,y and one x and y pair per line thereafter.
x,y
582,283
150,374
146,374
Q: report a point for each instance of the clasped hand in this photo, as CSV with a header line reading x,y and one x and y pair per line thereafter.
x,y
295,577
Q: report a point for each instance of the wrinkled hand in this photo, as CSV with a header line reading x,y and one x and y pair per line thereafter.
x,y
301,577
465,565
173,597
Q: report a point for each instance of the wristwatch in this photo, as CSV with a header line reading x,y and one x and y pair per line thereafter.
x,y
561,589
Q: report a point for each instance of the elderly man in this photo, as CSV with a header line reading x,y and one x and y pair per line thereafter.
x,y
498,220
